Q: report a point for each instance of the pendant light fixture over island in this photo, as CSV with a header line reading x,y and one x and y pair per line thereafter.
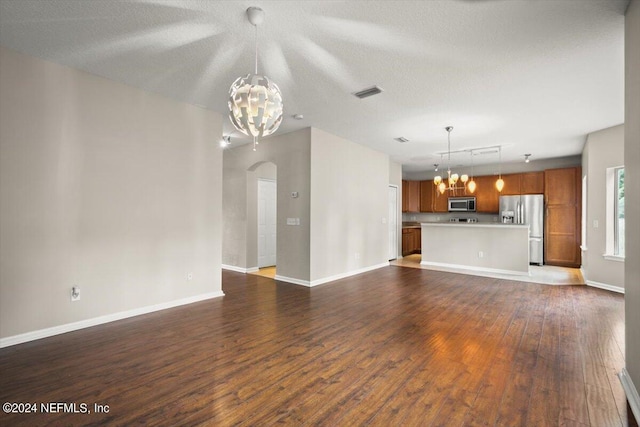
x,y
468,185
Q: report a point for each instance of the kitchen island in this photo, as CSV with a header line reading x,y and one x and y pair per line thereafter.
x,y
494,248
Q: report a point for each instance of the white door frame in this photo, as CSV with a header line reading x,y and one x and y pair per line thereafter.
x,y
393,222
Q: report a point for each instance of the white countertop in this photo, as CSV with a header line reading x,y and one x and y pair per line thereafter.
x,y
472,224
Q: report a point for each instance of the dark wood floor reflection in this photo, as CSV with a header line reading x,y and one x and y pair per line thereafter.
x,y
395,346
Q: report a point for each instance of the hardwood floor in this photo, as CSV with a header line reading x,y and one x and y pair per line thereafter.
x,y
395,346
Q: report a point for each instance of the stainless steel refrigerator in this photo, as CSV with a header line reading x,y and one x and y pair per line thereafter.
x,y
526,210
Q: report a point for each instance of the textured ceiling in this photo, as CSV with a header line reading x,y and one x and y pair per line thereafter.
x,y
532,76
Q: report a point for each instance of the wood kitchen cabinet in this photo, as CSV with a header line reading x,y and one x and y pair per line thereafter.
x,y
512,183
523,183
411,241
431,200
532,183
405,197
562,195
410,196
427,196
487,196
440,201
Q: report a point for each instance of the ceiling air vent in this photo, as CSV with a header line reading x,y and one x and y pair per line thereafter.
x,y
401,139
370,91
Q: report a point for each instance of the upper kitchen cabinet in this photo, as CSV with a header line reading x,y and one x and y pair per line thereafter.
x,y
440,201
532,183
512,183
431,200
523,183
487,196
427,196
410,196
562,220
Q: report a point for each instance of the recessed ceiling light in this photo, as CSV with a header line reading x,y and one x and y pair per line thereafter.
x,y
401,139
370,91
226,141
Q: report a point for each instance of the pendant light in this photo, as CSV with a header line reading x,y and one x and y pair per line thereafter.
x,y
472,184
500,182
255,102
452,178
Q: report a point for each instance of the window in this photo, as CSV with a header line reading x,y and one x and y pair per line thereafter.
x,y
618,224
615,214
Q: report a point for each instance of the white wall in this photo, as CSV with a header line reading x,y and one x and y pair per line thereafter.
x,y
105,187
291,154
349,199
632,189
604,149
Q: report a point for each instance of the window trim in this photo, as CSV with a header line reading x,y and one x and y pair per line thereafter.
x,y
611,212
616,231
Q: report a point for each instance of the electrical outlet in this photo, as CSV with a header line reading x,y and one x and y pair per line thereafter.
x,y
190,276
480,254
357,255
75,293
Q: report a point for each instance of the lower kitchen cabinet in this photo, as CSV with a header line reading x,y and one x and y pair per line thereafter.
x,y
411,241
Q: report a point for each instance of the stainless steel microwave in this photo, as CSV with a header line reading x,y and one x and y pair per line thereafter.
x,y
462,204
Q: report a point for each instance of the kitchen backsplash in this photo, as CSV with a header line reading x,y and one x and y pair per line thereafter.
x,y
445,217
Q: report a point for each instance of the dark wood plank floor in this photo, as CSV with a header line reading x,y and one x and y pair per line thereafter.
x,y
395,346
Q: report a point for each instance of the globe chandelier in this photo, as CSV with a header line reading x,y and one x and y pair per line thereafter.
x,y
255,102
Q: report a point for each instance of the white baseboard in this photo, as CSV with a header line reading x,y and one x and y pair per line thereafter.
x,y
292,280
605,286
240,269
631,392
456,268
348,274
69,327
330,278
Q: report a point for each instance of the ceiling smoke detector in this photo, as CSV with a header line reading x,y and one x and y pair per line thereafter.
x,y
370,91
401,139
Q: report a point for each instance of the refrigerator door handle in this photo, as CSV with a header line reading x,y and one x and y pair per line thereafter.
x,y
519,212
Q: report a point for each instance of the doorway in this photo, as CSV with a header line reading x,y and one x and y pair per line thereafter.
x,y
267,222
